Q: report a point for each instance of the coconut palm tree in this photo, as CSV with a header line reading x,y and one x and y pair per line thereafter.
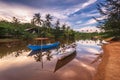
x,y
57,25
16,26
37,20
15,20
63,26
48,20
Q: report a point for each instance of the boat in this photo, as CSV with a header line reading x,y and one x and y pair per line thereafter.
x,y
43,47
62,62
66,51
36,49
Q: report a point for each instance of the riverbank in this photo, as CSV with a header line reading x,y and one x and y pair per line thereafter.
x,y
2,41
109,68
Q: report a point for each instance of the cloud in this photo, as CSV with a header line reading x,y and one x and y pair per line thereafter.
x,y
90,14
78,7
88,29
25,12
90,22
22,12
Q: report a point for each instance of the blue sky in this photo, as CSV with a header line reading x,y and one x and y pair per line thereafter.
x,y
76,13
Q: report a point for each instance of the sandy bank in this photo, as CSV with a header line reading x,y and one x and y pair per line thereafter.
x,y
109,68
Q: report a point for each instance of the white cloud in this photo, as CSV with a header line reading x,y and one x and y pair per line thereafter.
x,y
88,29
78,7
25,13
87,23
89,14
88,3
91,21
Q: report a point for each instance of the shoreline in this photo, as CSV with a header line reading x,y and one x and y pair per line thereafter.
x,y
109,69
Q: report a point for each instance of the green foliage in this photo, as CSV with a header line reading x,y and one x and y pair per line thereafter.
x,y
111,24
41,28
27,36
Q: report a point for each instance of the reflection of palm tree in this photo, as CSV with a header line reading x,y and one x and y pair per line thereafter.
x,y
38,57
49,57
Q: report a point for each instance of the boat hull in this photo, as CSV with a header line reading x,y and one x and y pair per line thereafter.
x,y
66,53
43,47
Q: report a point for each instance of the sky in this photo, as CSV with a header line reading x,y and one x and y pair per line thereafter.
x,y
75,13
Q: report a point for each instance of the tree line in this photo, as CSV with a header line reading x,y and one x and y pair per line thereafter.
x,y
40,28
36,28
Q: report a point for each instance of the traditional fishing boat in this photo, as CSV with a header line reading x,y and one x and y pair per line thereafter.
x,y
66,51
43,47
64,61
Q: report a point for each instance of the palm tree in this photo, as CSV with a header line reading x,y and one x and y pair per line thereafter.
x,y
57,24
15,20
48,20
16,28
37,20
63,26
68,28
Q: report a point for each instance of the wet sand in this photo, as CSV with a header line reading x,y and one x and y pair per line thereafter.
x,y
109,68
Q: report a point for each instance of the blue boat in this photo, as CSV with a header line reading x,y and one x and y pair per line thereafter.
x,y
43,47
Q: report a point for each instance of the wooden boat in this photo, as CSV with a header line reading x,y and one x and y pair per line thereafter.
x,y
62,62
66,52
43,47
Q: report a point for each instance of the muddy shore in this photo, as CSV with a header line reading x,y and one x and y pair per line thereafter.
x,y
109,68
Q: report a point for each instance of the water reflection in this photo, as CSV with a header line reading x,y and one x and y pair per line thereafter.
x,y
42,66
6,49
61,63
87,50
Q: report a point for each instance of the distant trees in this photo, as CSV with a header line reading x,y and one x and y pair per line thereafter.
x,y
39,28
110,10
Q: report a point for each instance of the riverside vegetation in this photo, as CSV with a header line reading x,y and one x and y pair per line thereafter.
x,y
40,28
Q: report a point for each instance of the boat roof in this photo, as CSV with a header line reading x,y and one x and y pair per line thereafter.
x,y
41,38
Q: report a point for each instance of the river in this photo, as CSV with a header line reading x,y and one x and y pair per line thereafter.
x,y
78,66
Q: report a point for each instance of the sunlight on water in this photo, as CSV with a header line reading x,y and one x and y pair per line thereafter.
x,y
88,48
